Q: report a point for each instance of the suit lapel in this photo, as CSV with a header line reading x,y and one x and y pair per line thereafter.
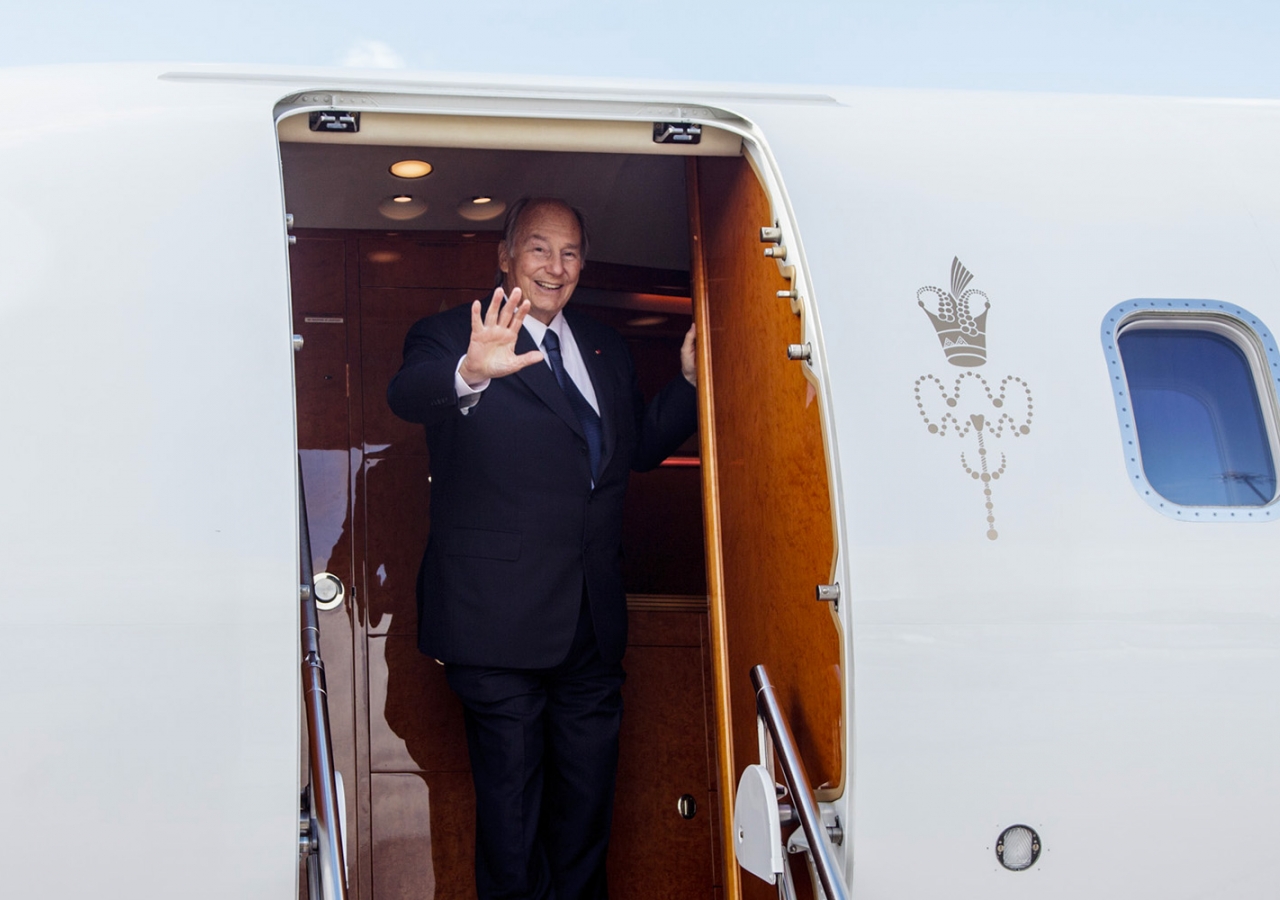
x,y
603,381
542,381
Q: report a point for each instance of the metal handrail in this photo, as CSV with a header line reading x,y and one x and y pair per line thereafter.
x,y
322,839
784,746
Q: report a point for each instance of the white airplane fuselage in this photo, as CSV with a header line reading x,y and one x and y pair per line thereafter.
x,y
1027,636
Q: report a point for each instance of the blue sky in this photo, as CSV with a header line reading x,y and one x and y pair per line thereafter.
x,y
1223,48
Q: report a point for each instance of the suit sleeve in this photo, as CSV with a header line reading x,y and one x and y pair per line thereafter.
x,y
423,390
665,424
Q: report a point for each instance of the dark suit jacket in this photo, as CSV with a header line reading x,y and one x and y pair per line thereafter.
x,y
516,527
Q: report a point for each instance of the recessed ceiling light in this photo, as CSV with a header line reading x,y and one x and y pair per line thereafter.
x,y
645,321
402,207
481,209
411,168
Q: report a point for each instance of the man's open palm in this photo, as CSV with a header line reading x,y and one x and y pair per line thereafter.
x,y
492,351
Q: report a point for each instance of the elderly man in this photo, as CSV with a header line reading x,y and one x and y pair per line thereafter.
x,y
534,422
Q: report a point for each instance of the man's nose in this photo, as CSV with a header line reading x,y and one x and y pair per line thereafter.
x,y
556,265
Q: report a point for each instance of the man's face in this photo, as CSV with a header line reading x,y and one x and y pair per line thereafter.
x,y
546,260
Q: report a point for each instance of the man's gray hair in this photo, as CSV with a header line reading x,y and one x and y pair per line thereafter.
x,y
512,221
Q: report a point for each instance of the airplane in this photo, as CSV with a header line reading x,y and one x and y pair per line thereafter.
x,y
966,586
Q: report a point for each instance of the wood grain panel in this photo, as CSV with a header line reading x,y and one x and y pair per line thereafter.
x,y
423,836
386,315
317,269
398,505
617,277
662,538
715,649
318,276
769,483
655,853
651,628
395,261
415,720
715,802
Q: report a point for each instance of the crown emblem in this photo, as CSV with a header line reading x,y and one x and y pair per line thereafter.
x,y
963,336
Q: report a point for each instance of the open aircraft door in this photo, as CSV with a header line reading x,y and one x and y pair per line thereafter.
x,y
771,529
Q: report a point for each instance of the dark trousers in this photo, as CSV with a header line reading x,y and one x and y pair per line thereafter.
x,y
544,757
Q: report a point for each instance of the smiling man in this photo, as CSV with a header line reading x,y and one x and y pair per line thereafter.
x,y
534,421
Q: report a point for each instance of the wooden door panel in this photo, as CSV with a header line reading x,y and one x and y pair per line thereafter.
x,y
385,316
398,505
765,472
320,376
655,853
423,836
415,720
663,628
662,533
317,274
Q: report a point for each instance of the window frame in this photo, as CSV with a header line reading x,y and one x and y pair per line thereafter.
x,y
1226,320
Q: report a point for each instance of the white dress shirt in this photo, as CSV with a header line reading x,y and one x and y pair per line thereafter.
x,y
574,366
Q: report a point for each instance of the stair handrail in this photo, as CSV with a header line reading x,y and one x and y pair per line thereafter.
x,y
322,840
802,799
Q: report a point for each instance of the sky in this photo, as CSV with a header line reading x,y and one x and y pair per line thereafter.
x,y
1187,47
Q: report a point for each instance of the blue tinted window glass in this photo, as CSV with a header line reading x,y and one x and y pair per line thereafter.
x,y
1200,426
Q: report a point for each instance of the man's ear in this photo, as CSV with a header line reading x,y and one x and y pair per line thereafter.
x,y
504,261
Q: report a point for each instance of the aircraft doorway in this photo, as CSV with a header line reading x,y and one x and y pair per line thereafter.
x,y
398,728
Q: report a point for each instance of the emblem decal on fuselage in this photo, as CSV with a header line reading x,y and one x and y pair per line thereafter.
x,y
972,408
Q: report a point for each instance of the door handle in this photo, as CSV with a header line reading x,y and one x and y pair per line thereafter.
x,y
329,591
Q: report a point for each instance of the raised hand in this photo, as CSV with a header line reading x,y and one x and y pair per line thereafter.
x,y
492,351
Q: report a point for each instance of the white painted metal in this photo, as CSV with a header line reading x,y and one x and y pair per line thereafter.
x,y
1099,672
757,829
148,631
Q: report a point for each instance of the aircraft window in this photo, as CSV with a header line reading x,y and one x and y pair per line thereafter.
x,y
1194,386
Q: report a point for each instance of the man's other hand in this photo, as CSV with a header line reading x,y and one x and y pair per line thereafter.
x,y
492,351
688,361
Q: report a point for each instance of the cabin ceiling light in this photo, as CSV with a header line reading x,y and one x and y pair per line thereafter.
x,y
411,168
481,209
646,321
402,207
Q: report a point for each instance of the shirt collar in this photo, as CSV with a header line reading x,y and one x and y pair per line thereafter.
x,y
537,330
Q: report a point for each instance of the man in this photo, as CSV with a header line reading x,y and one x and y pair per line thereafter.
x,y
534,421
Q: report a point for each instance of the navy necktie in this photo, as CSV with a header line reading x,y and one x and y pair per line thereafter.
x,y
589,418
